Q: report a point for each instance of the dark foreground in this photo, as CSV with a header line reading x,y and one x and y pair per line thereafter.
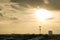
x,y
29,37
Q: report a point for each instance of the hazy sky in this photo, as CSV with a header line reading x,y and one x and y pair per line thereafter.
x,y
19,17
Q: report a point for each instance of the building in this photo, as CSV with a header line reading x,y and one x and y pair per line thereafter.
x,y
50,32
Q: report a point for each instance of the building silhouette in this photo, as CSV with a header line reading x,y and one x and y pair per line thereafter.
x,y
50,32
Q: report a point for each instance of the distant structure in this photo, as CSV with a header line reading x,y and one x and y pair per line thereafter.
x,y
4,1
40,29
50,32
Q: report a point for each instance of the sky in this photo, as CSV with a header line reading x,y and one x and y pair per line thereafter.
x,y
19,18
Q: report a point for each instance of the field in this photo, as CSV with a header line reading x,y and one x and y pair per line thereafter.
x,y
29,37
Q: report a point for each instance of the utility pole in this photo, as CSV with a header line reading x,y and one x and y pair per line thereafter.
x,y
40,29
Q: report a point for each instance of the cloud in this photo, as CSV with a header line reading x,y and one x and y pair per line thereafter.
x,y
8,14
14,18
32,3
46,1
1,14
51,4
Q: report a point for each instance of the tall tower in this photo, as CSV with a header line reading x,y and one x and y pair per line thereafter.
x,y
39,29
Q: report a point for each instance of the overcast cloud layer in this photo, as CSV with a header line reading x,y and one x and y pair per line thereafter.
x,y
16,17
49,4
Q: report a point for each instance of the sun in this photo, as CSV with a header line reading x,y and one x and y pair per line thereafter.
x,y
42,14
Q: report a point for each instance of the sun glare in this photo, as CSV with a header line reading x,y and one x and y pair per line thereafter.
x,y
42,14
